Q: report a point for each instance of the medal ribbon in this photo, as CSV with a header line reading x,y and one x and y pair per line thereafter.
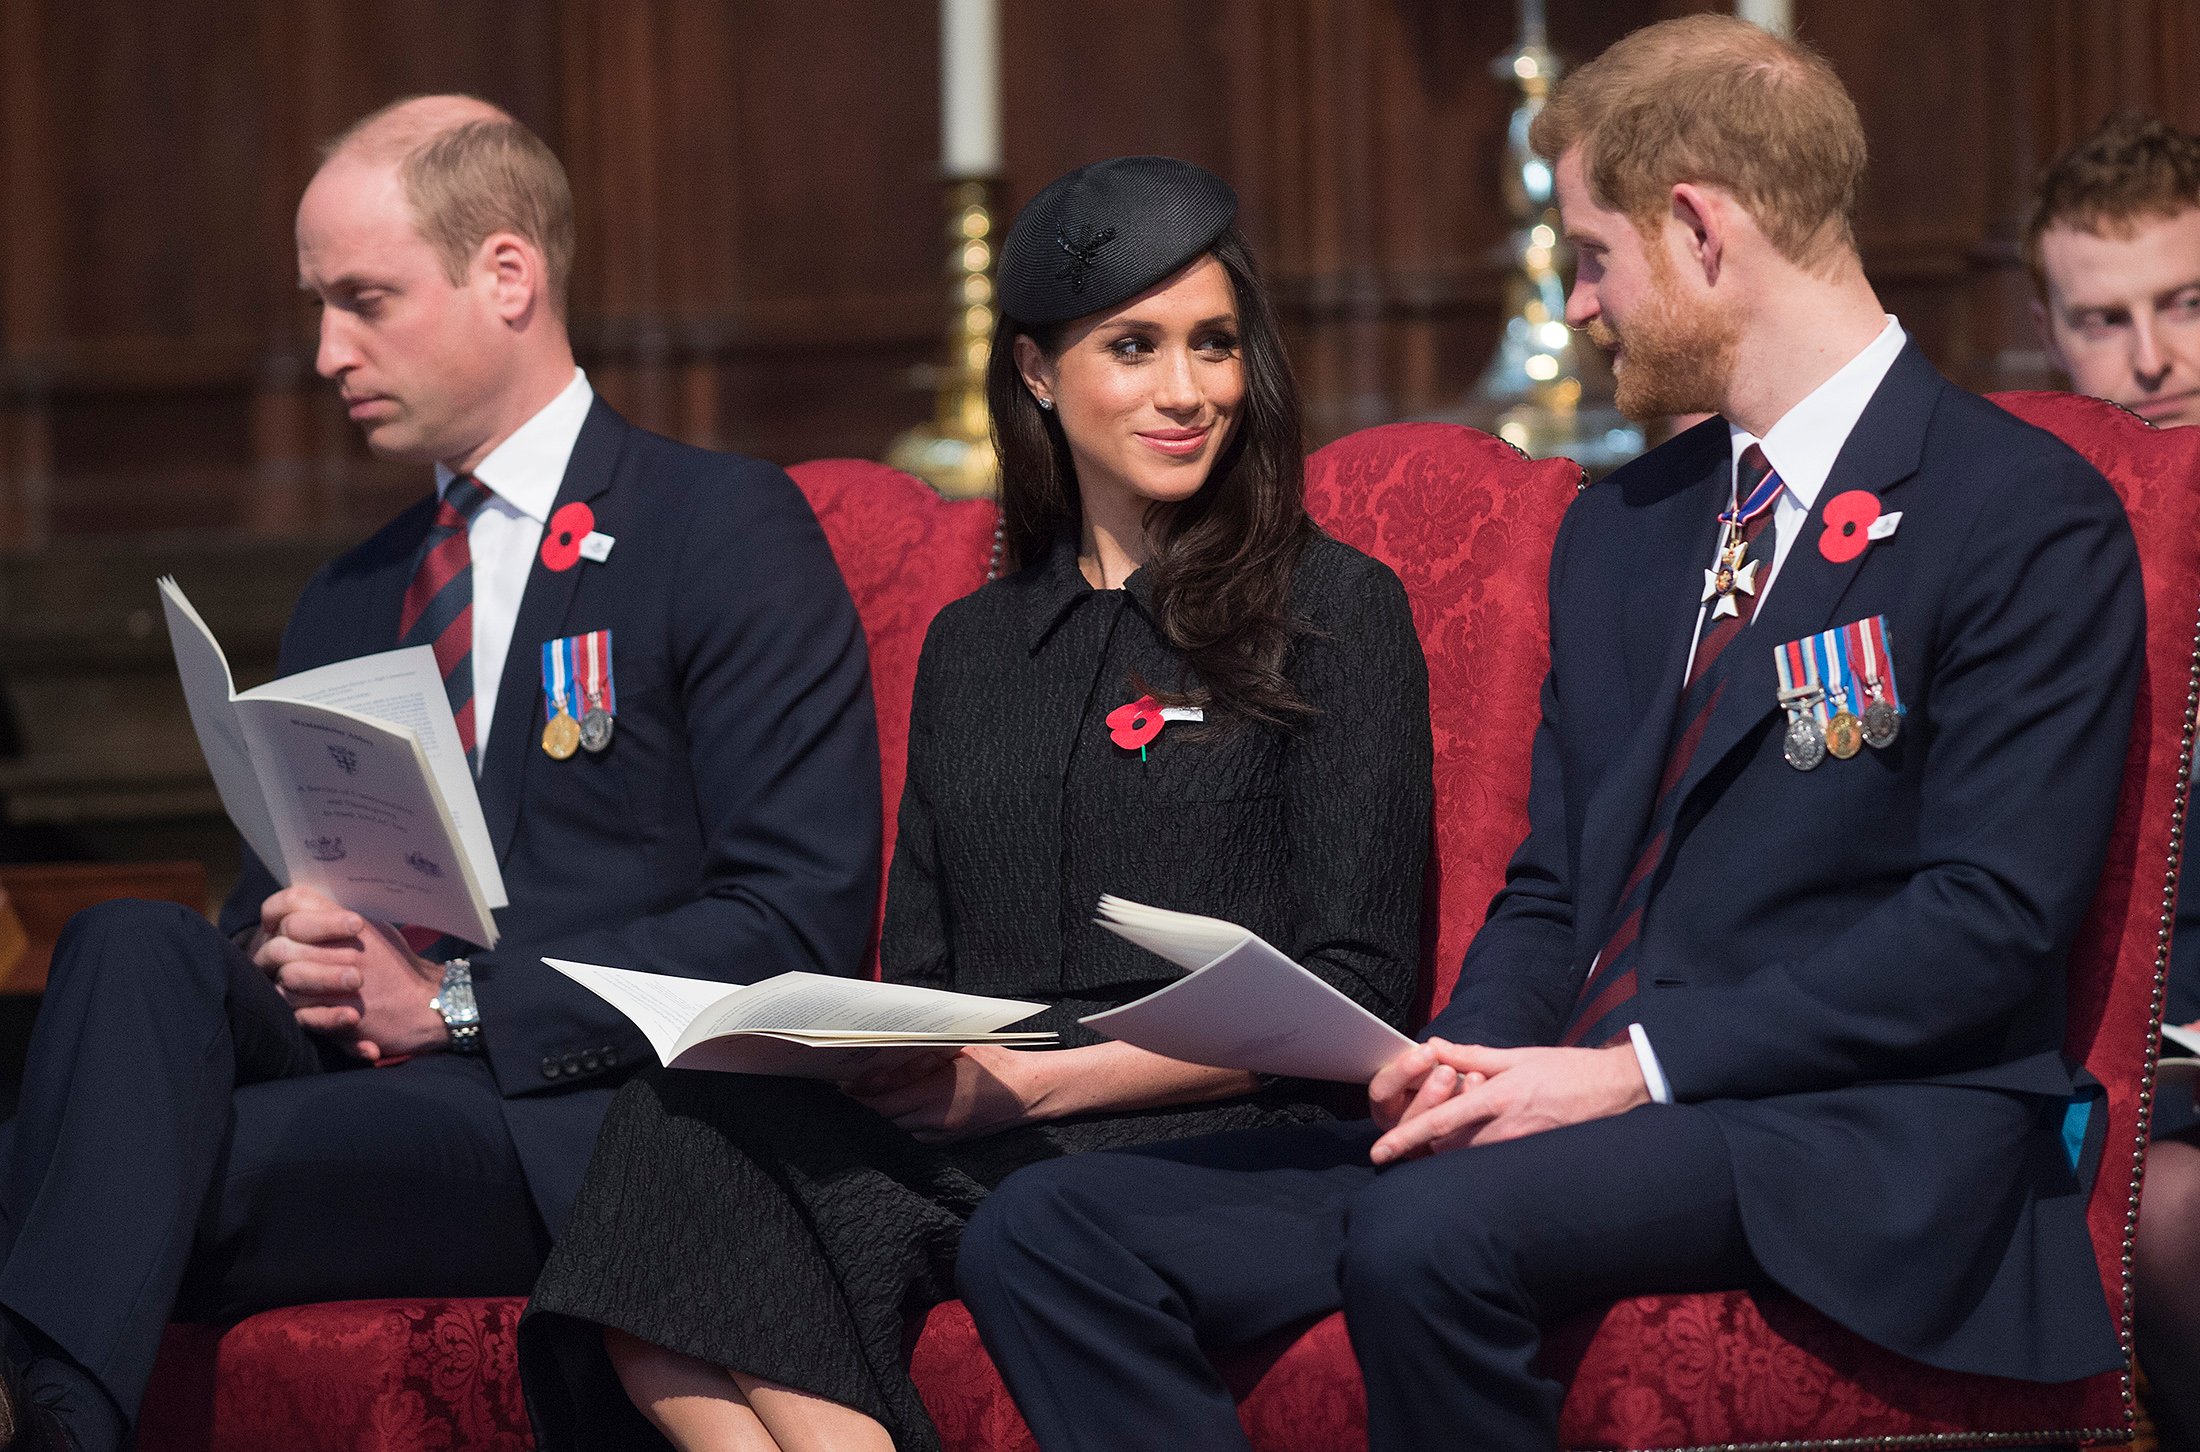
x,y
1871,636
1760,499
557,679
597,688
1798,663
1840,680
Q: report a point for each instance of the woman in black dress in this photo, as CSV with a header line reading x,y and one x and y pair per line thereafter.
x,y
749,1257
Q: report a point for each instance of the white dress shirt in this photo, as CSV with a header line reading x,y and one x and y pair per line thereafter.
x,y
523,474
1802,446
1801,449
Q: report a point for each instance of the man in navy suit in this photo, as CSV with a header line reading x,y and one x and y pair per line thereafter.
x,y
1774,991
304,1105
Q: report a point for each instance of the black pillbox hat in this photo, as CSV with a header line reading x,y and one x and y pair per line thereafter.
x,y
1106,232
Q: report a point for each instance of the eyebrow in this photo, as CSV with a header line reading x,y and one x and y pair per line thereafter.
x,y
348,282
2079,309
1217,319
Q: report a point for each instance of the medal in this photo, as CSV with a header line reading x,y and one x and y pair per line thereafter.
x,y
562,737
596,690
1882,723
1736,575
595,728
1804,745
1882,717
1844,733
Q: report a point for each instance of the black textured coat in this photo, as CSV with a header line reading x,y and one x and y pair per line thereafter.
x,y
1020,810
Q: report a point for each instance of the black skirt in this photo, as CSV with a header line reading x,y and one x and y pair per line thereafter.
x,y
778,1228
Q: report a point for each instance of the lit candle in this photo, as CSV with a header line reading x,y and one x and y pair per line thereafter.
x,y
1777,16
970,87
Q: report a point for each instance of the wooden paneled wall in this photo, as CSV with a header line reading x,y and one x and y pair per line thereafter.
x,y
760,259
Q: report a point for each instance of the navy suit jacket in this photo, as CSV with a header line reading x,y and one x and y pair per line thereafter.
x,y
730,830
1859,970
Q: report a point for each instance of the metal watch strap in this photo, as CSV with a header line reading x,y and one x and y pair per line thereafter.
x,y
454,1002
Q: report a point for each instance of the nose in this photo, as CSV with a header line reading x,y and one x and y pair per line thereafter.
x,y
1177,388
335,354
2149,363
1581,304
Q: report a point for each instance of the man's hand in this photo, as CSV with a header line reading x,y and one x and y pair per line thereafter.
x,y
978,1090
1415,1081
1523,1092
346,977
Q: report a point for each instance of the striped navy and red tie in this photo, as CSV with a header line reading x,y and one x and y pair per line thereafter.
x,y
439,604
1599,1015
438,612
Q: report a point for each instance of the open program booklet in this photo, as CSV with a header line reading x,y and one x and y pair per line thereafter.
x,y
1244,1005
349,779
806,1025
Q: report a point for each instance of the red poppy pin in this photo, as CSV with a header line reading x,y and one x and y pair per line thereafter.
x,y
1849,521
561,542
1134,725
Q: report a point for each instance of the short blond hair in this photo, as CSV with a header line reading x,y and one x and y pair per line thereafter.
x,y
1716,100
470,171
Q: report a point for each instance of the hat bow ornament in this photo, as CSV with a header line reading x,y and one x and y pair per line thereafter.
x,y
1083,257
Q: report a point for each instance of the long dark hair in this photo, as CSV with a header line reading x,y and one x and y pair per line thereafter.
x,y
1224,563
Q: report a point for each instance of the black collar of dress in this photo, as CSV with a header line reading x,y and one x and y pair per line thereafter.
x,y
1056,586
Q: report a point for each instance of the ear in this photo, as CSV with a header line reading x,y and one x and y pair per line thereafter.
x,y
1705,217
2044,325
512,270
1038,373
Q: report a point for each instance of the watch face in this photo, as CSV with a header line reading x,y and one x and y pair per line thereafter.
x,y
458,1004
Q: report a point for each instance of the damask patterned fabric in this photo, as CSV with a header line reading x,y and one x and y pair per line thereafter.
x,y
1467,524
904,552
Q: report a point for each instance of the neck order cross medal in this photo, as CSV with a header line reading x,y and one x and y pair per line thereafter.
x,y
1736,574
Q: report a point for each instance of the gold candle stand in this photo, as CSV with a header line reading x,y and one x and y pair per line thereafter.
x,y
954,452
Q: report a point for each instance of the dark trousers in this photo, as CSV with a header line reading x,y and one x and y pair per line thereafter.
x,y
184,1150
1101,1282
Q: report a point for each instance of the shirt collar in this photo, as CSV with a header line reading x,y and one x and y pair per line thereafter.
x,y
527,469
1802,446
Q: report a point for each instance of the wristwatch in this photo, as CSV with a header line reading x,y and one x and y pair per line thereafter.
x,y
461,1015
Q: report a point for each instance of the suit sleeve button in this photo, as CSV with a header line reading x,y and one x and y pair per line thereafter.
x,y
550,1069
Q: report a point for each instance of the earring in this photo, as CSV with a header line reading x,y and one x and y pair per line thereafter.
x,y
1046,403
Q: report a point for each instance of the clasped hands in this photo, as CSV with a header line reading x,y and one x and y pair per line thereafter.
x,y
1438,1095
348,978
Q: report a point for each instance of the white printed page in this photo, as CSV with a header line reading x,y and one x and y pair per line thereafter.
x,y
660,1005
360,818
404,688
1251,1008
207,691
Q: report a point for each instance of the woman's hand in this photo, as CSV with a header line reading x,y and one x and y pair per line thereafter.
x,y
979,1090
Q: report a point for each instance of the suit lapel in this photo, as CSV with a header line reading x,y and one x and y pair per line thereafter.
x,y
1882,453
1678,532
543,608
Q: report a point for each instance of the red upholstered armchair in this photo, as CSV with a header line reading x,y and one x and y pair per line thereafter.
x,y
904,552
